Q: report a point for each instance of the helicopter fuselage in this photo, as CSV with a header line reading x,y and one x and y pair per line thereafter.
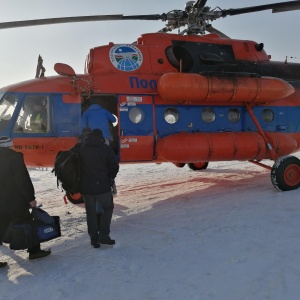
x,y
249,111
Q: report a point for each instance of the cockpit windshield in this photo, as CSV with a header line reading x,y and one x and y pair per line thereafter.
x,y
8,104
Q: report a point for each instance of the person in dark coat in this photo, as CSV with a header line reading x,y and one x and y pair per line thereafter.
x,y
98,168
17,193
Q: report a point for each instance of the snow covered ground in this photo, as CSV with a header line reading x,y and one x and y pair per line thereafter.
x,y
223,233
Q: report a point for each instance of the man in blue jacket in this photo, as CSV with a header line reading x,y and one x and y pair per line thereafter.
x,y
96,117
98,168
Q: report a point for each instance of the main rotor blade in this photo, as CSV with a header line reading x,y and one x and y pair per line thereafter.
x,y
38,22
276,7
200,4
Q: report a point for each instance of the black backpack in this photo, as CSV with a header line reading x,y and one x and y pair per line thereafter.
x,y
67,169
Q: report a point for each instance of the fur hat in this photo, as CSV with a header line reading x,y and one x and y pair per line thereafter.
x,y
98,133
5,141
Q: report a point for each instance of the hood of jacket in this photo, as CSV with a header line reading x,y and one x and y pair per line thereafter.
x,y
94,139
95,107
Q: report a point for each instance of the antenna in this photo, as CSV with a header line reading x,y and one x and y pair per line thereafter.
x,y
286,58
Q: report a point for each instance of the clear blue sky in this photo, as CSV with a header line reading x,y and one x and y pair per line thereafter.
x,y
70,43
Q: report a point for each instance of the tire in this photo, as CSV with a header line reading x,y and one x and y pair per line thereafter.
x,y
285,174
198,166
75,198
179,165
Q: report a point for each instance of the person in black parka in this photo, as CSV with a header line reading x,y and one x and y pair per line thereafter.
x,y
17,193
98,168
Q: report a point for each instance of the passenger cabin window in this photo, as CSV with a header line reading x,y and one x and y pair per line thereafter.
x,y
267,115
171,115
136,115
233,115
208,115
34,115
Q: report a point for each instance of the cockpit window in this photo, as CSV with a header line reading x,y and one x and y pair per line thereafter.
x,y
34,115
7,106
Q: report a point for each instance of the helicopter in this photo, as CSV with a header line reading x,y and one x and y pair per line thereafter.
x,y
188,98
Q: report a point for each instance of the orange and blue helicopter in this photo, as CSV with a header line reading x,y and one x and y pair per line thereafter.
x,y
187,98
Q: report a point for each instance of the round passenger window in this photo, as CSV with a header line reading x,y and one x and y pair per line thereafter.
x,y
267,115
234,115
171,115
208,115
136,115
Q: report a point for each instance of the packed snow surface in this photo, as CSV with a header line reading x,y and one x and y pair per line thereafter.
x,y
218,234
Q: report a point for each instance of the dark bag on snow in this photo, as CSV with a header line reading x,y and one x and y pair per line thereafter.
x,y
23,236
67,169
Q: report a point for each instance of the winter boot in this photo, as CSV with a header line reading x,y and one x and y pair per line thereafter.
x,y
95,244
107,241
39,254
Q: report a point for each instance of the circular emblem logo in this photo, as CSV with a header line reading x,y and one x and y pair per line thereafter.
x,y
126,57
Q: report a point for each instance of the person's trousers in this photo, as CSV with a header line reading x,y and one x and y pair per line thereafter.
x,y
98,223
5,221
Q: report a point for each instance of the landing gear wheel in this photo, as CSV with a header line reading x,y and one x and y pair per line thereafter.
x,y
285,174
198,166
179,165
75,198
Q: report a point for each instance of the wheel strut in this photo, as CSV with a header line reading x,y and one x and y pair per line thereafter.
x,y
273,154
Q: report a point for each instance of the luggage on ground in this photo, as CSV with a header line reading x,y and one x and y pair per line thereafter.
x,y
47,232
22,236
28,234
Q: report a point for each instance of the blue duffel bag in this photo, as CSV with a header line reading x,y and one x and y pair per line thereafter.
x,y
47,232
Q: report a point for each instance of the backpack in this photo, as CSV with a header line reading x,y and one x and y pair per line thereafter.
x,y
67,170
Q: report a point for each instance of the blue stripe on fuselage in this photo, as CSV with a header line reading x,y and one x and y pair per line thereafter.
x,y
286,119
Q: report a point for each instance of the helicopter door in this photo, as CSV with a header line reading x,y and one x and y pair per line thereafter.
x,y
136,128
